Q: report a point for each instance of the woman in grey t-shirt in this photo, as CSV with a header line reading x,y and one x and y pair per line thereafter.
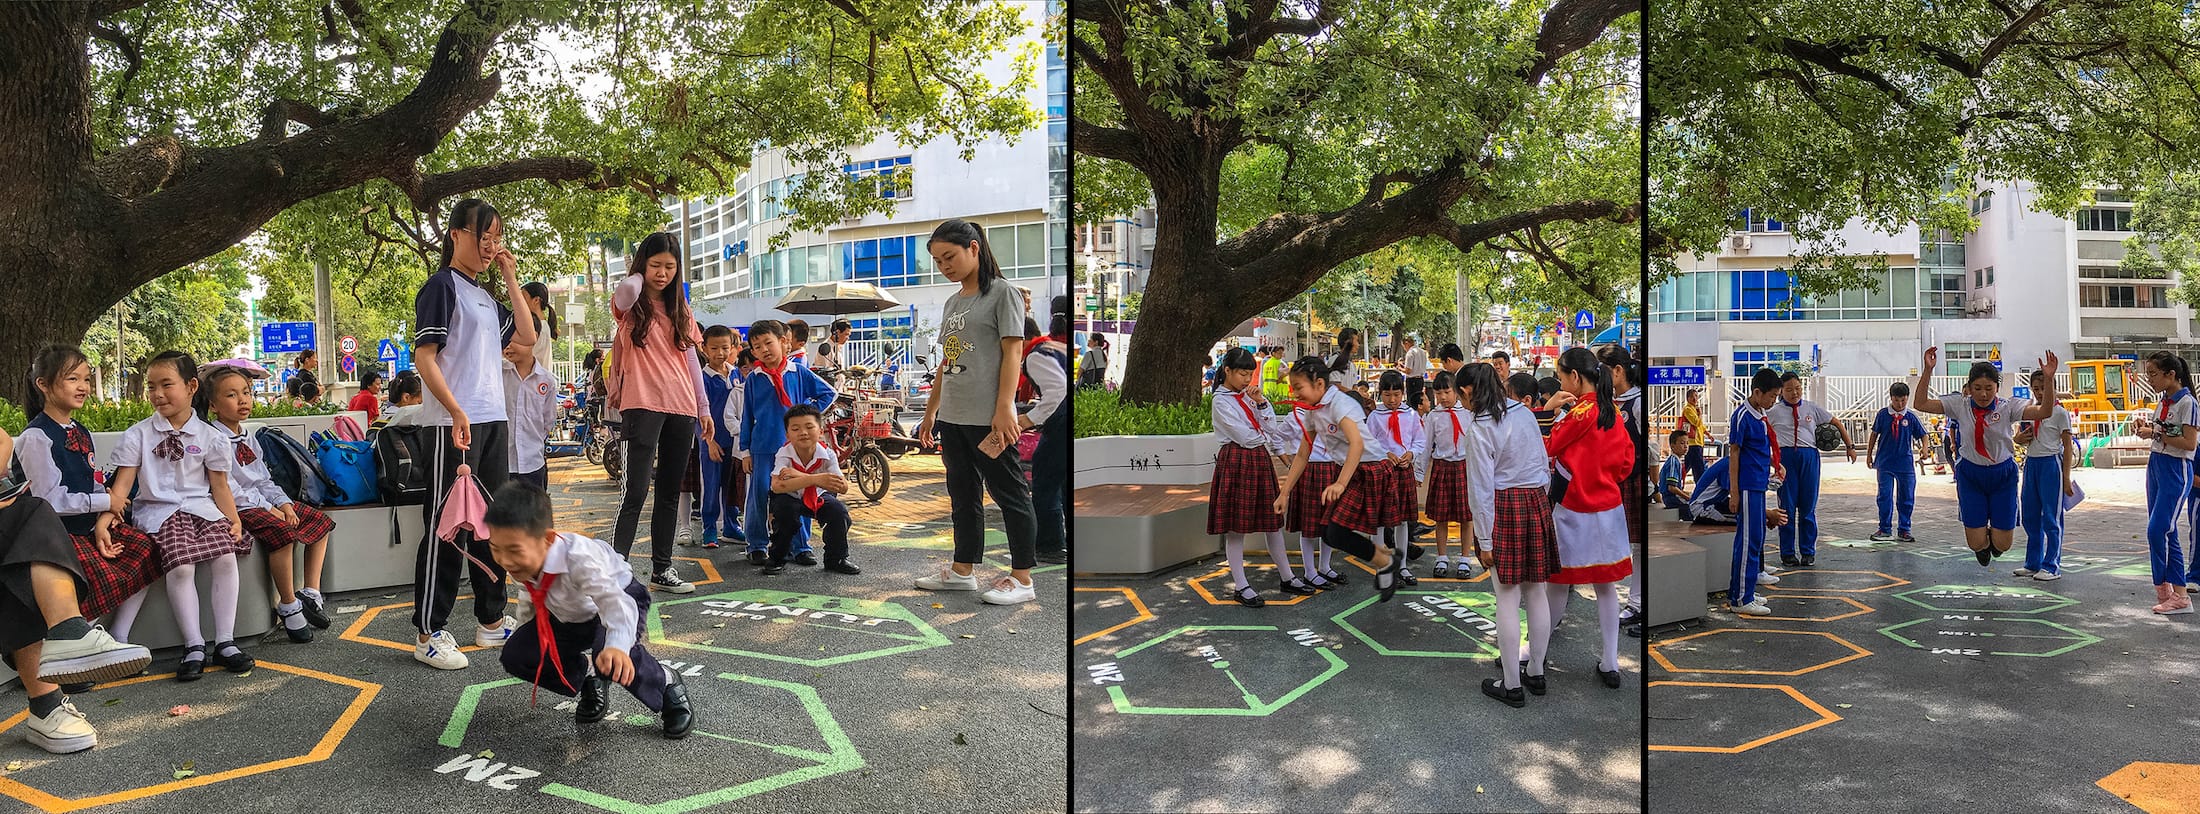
x,y
981,341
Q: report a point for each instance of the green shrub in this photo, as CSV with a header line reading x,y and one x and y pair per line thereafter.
x,y
260,411
112,416
12,418
1098,413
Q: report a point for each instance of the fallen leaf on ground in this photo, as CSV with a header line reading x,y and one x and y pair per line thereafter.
x,y
705,641
189,769
486,753
1843,706
968,636
923,707
111,702
179,709
664,616
720,624
960,741
15,765
1478,790
938,605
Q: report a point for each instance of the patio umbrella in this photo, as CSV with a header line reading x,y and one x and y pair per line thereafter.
x,y
836,298
251,368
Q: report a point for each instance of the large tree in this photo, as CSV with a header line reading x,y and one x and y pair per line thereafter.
x,y
1279,139
1820,113
145,136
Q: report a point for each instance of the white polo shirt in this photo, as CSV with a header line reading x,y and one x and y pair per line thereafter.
x,y
467,330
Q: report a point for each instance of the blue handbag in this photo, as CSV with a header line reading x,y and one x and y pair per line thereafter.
x,y
350,466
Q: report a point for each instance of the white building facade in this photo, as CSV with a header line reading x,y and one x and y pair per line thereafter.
x,y
2026,282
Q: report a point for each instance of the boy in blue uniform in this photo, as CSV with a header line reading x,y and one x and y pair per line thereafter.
x,y
1670,473
1708,502
721,461
776,386
1795,423
1895,462
1754,471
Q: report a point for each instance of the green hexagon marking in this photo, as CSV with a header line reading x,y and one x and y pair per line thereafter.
x,y
840,755
1254,706
886,621
1959,595
1467,612
1952,624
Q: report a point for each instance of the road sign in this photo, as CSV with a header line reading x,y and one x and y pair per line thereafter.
x,y
348,345
1092,303
2021,391
286,337
387,352
1993,354
1677,375
350,363
1585,322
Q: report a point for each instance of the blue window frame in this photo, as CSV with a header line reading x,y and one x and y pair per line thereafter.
x,y
1761,295
1747,361
884,262
894,180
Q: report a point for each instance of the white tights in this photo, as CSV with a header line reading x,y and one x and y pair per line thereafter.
x,y
1508,629
183,601
1607,617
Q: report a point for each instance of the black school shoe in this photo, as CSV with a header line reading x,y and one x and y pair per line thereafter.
x,y
678,716
1789,562
1535,684
1985,555
1333,577
805,559
774,568
1810,560
1298,586
1610,677
843,567
758,557
300,636
1249,598
239,664
595,700
315,616
1323,586
191,669
1495,688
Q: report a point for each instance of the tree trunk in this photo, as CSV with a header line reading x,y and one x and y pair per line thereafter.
x,y
49,310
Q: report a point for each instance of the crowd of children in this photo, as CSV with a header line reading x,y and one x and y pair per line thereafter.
x,y
1539,504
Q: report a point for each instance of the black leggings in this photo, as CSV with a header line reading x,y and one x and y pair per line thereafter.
x,y
970,475
667,440
1357,544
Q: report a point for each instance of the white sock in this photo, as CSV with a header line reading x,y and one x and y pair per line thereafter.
x,y
1608,624
1633,584
225,597
312,593
1443,563
1233,545
292,619
1539,629
183,600
1508,632
1282,556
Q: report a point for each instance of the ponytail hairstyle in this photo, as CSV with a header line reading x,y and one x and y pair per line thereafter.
x,y
1583,363
1618,359
670,299
1489,393
1236,358
1058,321
1348,346
202,402
969,236
406,384
1312,369
2161,360
473,215
52,363
1523,386
541,292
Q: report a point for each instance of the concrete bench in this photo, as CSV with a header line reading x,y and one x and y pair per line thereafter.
x,y
1675,587
360,556
1145,527
155,626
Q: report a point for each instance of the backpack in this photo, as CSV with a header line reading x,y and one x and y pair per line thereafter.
x,y
293,468
349,465
402,465
345,429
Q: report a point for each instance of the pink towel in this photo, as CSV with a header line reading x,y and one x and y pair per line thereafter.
x,y
463,508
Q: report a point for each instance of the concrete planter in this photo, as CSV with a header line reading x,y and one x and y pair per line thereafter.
x,y
1143,544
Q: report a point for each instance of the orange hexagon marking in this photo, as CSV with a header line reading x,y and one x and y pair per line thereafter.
x,y
1483,576
1224,572
321,750
1657,652
1860,609
2157,788
357,631
1892,582
1144,615
1825,716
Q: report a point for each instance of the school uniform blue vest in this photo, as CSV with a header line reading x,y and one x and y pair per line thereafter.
x,y
77,473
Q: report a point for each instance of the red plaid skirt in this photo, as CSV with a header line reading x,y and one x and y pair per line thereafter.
x,y
1447,492
188,539
276,534
1243,496
1404,505
1366,504
1307,515
117,579
1522,541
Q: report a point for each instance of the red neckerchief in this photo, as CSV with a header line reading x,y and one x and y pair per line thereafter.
x,y
1978,424
1397,435
2162,413
1772,438
810,496
1248,408
778,375
537,592
1457,432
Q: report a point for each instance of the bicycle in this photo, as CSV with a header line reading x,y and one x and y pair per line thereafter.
x,y
859,426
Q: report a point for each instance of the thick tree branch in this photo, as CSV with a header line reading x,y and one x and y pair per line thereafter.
x,y
132,54
1105,142
1466,236
426,191
276,118
1570,26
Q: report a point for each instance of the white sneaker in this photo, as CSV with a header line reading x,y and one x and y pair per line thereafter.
x,y
62,731
440,651
2022,572
497,636
95,656
2047,576
1770,568
1007,591
1756,607
948,580
1767,579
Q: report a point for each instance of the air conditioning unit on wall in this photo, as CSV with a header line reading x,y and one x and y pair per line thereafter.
x,y
1979,305
1738,242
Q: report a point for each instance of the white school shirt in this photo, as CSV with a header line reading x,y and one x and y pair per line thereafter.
x,y
1444,442
2001,428
1410,437
1327,422
786,459
1504,454
249,483
2182,411
531,407
1416,362
165,487
1232,425
1797,424
34,452
591,584
1285,433
2049,441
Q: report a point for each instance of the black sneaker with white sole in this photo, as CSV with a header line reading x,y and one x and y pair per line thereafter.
x,y
669,581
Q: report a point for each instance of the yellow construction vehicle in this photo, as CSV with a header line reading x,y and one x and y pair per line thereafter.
x,y
2102,386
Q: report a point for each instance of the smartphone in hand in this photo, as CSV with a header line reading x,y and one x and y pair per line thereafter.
x,y
993,446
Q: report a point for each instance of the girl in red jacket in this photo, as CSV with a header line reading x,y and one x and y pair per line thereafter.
x,y
1592,454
